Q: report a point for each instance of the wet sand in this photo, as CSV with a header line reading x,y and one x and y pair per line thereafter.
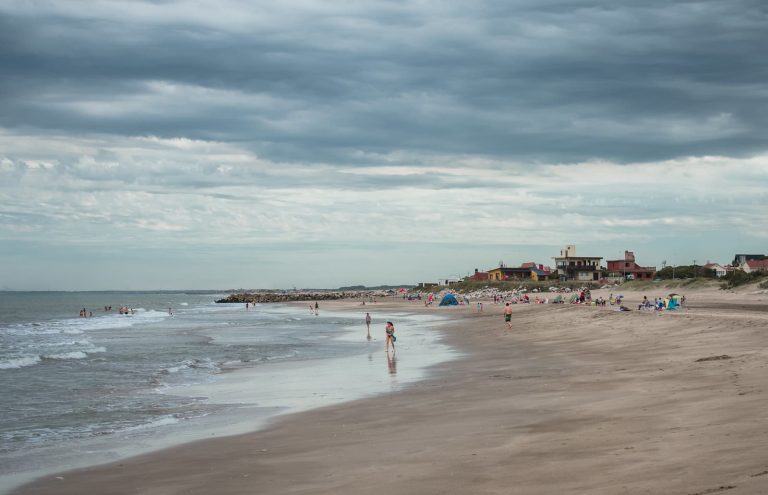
x,y
571,400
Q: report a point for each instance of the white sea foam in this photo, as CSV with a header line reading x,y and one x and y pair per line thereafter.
x,y
206,363
77,326
66,343
20,362
161,421
66,355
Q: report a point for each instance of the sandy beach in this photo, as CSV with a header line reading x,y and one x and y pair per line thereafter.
x,y
572,399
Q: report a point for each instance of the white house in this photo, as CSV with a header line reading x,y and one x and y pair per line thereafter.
x,y
720,270
449,281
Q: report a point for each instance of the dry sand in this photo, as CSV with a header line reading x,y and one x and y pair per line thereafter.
x,y
571,400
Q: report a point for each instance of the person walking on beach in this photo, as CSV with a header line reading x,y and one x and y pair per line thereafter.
x,y
390,329
317,309
508,315
368,321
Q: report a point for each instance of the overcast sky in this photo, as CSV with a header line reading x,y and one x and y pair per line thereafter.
x,y
193,144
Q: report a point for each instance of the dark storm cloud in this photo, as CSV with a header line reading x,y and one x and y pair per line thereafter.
x,y
548,81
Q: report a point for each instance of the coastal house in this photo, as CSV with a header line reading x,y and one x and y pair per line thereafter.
x,y
720,271
539,274
538,271
755,266
479,276
448,281
532,273
628,269
572,267
740,259
540,267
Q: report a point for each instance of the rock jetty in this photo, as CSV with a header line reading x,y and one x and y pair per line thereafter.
x,y
276,297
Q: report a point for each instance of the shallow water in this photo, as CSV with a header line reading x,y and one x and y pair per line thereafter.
x,y
114,385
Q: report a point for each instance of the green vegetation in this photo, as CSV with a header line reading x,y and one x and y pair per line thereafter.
x,y
685,271
740,277
677,283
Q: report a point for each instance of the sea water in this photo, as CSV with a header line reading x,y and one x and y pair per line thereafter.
x,y
79,391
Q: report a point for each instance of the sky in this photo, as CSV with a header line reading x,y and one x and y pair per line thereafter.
x,y
175,144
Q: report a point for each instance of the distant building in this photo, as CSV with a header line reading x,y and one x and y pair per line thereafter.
x,y
720,271
740,259
448,281
751,266
572,267
539,267
532,273
629,270
479,276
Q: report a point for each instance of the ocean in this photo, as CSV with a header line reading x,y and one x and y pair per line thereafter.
x,y
80,391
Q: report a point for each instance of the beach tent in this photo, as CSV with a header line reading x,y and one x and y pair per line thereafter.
x,y
449,300
673,304
674,301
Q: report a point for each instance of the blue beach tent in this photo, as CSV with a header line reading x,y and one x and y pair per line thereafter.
x,y
673,303
449,300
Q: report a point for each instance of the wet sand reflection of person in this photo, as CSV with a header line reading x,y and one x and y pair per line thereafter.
x,y
392,363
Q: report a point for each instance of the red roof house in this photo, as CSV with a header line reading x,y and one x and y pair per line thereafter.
x,y
628,269
755,266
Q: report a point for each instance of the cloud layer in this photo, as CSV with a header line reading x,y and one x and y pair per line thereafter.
x,y
178,130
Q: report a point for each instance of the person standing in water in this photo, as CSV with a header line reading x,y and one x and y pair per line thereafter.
x,y
390,329
508,315
368,320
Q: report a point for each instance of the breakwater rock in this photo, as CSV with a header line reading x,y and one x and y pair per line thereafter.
x,y
273,297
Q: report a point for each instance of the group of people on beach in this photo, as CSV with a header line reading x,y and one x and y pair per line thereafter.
x,y
85,313
661,303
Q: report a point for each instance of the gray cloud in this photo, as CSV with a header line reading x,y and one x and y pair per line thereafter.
x,y
553,81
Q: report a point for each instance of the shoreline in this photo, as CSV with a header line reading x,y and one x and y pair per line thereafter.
x,y
308,383
630,398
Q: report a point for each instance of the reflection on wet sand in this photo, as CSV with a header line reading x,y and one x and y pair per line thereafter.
x,y
392,363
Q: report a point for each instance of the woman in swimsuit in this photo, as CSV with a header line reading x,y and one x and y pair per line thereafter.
x,y
390,329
